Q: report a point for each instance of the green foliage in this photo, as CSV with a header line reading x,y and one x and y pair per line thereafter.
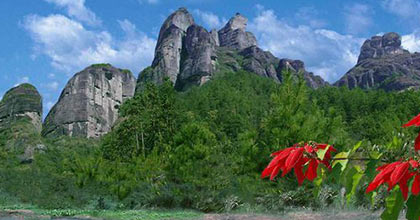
x,y
205,148
394,205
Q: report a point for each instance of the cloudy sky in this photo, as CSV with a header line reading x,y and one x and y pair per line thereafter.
x,y
45,42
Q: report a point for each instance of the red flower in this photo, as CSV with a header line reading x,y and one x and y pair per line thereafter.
x,y
396,173
414,122
297,158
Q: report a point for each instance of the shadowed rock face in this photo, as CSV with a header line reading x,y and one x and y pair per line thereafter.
x,y
19,102
167,61
383,64
88,105
297,66
189,55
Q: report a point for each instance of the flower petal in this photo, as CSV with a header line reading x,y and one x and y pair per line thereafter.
x,y
311,172
292,160
415,188
398,173
413,122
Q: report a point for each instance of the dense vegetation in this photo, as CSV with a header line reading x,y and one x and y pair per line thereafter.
x,y
205,148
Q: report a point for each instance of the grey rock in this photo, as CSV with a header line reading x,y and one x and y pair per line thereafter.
x,y
383,64
88,106
234,34
23,101
215,37
198,63
169,46
260,62
297,66
380,46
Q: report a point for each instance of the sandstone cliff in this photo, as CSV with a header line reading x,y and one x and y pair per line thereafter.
x,y
187,54
88,105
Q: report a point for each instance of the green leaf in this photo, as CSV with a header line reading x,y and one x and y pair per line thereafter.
x,y
321,153
357,146
393,205
354,178
413,208
343,163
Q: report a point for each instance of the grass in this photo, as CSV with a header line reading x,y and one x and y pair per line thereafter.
x,y
108,214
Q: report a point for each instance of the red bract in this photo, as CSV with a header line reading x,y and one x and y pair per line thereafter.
x,y
297,157
415,122
397,173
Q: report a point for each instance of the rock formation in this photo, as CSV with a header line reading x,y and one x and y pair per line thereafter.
x,y
188,54
384,64
23,101
234,34
88,105
297,66
20,121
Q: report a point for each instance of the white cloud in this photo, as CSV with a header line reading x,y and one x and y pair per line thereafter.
x,y
77,9
406,9
210,19
358,18
325,52
309,15
148,1
71,46
411,42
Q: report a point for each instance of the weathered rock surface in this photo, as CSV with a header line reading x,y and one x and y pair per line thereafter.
x,y
23,101
383,64
190,55
234,34
167,61
297,66
88,105
200,56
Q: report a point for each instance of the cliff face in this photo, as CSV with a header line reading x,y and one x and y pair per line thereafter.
x,y
23,101
20,121
383,64
88,105
188,54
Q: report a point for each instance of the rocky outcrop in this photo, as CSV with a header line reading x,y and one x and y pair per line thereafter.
x,y
88,105
200,57
381,46
297,66
234,34
167,61
383,64
189,55
22,101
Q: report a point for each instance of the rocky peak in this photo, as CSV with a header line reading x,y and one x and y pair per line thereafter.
x,y
181,19
380,46
89,103
22,101
383,64
234,35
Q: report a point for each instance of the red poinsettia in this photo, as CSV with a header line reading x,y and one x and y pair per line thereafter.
x,y
297,157
415,122
397,173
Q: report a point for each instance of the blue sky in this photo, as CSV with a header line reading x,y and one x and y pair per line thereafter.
x,y
45,42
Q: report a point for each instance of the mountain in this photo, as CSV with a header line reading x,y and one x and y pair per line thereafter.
x,y
20,121
189,55
88,105
384,64
22,101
